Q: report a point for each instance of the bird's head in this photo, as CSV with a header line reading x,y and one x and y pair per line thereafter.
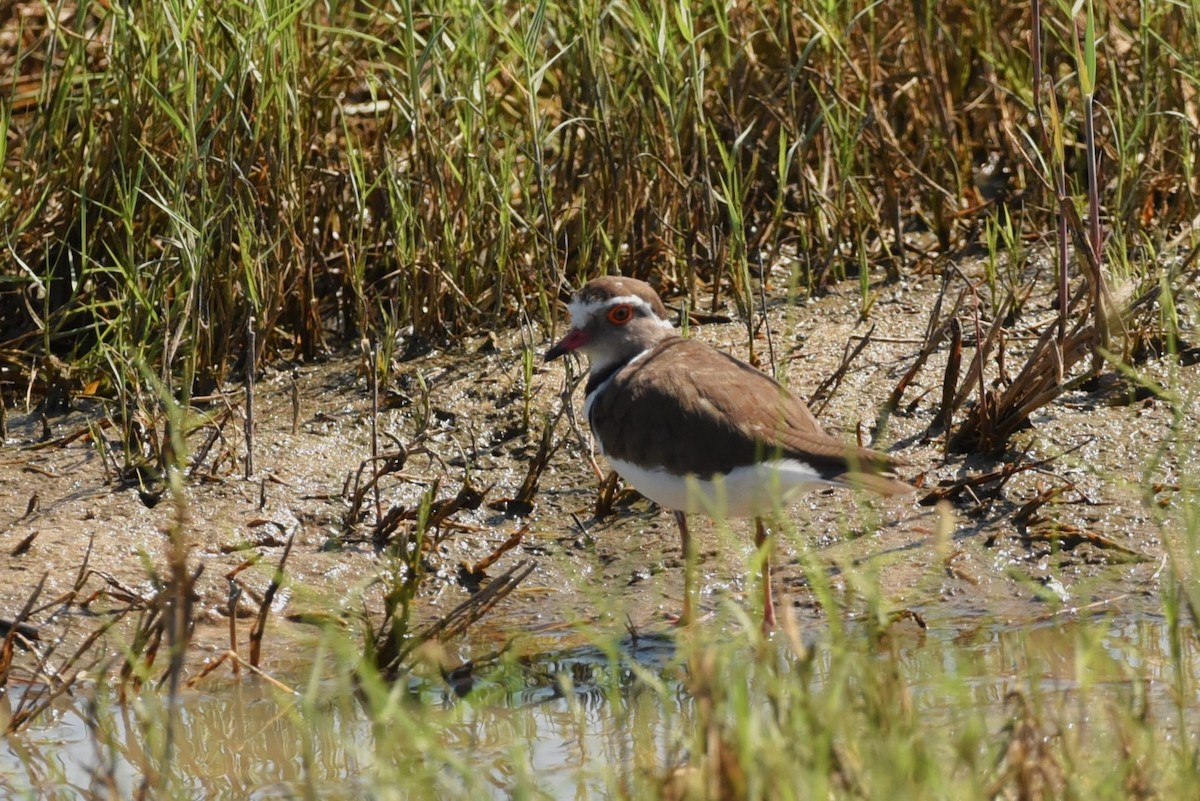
x,y
612,320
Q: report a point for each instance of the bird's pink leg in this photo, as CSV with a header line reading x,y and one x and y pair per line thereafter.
x,y
760,538
689,568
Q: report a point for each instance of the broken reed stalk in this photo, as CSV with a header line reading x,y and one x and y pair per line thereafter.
x,y
264,609
380,466
373,377
537,465
945,416
934,334
13,630
251,367
479,569
235,594
295,404
606,496
974,380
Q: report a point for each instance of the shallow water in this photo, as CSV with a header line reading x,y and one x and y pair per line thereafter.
x,y
564,725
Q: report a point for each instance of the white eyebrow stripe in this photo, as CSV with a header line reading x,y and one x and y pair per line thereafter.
x,y
581,310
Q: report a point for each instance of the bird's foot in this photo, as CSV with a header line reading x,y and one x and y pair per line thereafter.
x,y
682,620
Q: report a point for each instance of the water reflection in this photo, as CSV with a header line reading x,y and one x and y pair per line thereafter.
x,y
555,725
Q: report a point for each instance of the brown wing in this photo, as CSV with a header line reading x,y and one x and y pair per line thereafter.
x,y
698,410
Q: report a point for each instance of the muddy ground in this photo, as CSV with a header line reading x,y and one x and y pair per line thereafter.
x,y
1097,548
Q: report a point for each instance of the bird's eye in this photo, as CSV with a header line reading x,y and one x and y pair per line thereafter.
x,y
620,314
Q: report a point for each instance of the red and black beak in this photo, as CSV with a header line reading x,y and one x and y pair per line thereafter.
x,y
575,338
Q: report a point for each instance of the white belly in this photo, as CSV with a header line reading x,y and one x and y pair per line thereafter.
x,y
750,491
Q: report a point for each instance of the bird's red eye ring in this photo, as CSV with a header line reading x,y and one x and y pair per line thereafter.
x,y
620,314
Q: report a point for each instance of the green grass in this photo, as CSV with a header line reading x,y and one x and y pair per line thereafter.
x,y
347,170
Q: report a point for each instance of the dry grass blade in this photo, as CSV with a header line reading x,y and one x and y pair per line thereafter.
x,y
1039,382
459,619
392,645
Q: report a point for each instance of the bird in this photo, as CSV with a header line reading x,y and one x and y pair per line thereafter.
x,y
697,430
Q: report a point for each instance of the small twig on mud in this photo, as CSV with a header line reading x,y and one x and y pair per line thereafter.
x,y
829,386
1069,537
25,544
216,434
522,503
67,439
1001,474
41,471
264,609
477,571
117,591
1026,515
537,465
381,533
437,516
467,498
